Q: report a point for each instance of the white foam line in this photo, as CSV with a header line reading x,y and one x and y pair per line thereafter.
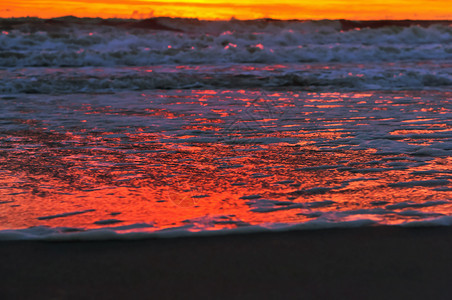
x,y
43,233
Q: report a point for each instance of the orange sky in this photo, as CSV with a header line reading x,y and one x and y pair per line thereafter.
x,y
225,9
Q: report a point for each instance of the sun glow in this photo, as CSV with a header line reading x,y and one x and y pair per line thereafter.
x,y
221,9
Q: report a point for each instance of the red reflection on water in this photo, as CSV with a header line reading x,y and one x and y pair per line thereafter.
x,y
135,177
139,187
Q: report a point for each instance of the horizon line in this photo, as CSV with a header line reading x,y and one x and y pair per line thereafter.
x,y
232,19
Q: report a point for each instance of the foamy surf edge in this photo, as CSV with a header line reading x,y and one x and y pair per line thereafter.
x,y
44,233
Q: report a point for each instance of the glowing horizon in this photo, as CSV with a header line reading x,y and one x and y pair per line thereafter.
x,y
220,9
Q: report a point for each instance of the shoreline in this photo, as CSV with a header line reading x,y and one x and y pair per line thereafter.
x,y
352,263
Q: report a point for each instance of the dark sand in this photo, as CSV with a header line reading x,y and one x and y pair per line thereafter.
x,y
367,263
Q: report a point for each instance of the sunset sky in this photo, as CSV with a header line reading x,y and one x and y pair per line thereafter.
x,y
240,9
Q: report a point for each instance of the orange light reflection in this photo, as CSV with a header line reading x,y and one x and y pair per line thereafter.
x,y
160,178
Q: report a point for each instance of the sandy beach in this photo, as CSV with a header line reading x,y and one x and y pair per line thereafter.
x,y
363,263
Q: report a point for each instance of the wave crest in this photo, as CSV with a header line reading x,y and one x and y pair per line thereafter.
x,y
78,42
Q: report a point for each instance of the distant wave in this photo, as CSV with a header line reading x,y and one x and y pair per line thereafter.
x,y
180,24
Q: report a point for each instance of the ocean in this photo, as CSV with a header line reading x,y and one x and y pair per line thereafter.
x,y
126,129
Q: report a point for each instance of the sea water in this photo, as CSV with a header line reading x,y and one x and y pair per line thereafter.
x,y
174,127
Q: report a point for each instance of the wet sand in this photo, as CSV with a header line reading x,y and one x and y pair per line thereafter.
x,y
363,263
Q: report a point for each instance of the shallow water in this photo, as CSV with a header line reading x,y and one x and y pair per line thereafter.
x,y
163,148
217,159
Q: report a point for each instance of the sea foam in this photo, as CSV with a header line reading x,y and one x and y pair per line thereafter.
x,y
95,55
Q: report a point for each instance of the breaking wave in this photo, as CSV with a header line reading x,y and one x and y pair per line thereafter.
x,y
74,42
